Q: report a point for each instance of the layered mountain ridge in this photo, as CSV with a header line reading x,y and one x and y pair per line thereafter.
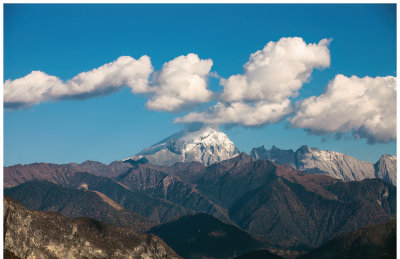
x,y
290,201
284,207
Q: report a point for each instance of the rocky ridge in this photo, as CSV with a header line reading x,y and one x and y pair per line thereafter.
x,y
334,164
37,234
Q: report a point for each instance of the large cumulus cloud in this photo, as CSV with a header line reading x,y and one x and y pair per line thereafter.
x,y
365,106
277,71
181,82
271,76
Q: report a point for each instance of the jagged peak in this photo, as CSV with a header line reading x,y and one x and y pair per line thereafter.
x,y
304,148
387,156
262,147
242,156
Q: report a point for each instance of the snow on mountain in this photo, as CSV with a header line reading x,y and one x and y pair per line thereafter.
x,y
334,164
206,146
209,145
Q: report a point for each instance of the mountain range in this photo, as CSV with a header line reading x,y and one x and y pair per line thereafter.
x,y
283,207
279,200
209,145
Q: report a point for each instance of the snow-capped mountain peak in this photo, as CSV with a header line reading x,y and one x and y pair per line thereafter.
x,y
207,145
332,163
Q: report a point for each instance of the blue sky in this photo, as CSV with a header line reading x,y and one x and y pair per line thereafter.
x,y
65,40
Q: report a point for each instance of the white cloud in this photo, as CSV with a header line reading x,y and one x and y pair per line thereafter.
x,y
38,87
366,106
181,82
278,71
242,113
271,76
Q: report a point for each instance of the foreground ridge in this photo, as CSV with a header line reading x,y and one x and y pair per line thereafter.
x,y
30,234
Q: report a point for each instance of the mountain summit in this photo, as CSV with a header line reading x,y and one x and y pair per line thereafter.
x,y
207,146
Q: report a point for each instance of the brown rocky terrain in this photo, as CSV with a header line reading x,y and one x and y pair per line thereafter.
x,y
37,234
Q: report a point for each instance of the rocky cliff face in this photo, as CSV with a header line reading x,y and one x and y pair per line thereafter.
x,y
206,145
36,234
386,168
334,164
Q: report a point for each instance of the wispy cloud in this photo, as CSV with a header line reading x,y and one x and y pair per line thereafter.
x,y
240,113
181,83
39,87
